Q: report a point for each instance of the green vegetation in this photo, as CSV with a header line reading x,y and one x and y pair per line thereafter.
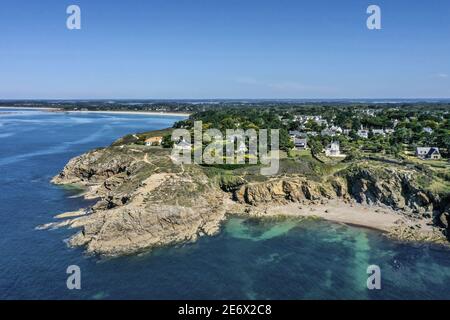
x,y
245,119
404,127
408,126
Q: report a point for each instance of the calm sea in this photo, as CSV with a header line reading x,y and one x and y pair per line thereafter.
x,y
249,259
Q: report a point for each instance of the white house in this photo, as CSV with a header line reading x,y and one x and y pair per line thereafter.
x,y
428,153
362,133
428,130
295,133
333,149
378,132
303,118
328,132
321,122
369,112
183,145
336,129
332,131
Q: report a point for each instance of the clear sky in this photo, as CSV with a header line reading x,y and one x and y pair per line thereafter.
x,y
224,49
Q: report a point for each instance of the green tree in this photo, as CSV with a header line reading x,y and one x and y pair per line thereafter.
x,y
286,143
167,141
316,146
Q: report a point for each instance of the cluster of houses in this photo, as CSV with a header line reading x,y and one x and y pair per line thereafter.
x,y
241,148
300,139
317,119
362,133
157,141
333,130
301,143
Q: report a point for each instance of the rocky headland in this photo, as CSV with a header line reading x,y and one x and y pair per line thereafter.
x,y
144,200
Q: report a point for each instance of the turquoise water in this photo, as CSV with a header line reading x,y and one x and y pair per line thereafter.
x,y
289,259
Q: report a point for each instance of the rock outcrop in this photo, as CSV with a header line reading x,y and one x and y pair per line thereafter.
x,y
145,200
142,203
283,190
395,188
386,187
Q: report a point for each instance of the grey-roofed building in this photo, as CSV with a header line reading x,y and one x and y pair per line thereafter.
x,y
428,153
300,143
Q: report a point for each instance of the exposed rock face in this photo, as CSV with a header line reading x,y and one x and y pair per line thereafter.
x,y
140,207
288,190
145,200
390,187
444,218
400,190
394,188
94,167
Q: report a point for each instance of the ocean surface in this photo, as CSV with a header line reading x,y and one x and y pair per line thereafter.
x,y
248,259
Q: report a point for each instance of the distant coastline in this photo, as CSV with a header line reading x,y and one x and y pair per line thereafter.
x,y
30,108
153,113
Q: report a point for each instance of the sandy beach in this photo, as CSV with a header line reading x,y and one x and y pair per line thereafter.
x,y
383,219
338,211
373,217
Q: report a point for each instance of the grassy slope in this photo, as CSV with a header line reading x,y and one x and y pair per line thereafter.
x,y
433,176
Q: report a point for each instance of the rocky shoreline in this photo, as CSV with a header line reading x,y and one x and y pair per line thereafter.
x,y
146,201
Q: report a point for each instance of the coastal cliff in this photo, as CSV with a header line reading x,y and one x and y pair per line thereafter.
x,y
145,200
142,203
422,214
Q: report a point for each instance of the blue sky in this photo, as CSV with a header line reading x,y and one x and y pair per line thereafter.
x,y
224,49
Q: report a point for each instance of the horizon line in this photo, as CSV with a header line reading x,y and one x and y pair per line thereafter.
x,y
217,99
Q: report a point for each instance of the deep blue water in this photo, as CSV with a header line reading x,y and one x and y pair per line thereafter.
x,y
292,259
